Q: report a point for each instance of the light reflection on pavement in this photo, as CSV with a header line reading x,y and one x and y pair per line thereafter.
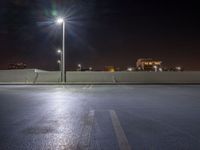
x,y
100,117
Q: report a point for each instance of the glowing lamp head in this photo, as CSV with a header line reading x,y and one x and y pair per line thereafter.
x,y
60,20
59,51
79,65
59,62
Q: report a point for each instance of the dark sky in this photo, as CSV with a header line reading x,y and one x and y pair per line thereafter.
x,y
100,32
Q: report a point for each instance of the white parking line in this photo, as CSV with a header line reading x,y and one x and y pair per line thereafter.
x,y
84,142
88,87
121,137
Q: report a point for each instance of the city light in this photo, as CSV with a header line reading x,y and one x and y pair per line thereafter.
x,y
160,69
156,68
90,68
130,69
178,68
79,67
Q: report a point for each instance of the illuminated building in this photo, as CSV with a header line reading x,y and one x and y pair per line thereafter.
x,y
17,66
148,64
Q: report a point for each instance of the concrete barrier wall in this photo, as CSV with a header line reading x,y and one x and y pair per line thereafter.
x,y
158,77
33,76
90,77
17,76
75,77
134,77
48,77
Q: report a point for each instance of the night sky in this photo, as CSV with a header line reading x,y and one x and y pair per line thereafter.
x,y
100,32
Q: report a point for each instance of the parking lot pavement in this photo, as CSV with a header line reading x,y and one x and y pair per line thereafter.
x,y
100,117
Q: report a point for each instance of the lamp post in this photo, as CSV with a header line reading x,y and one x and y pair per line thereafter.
x,y
59,64
63,70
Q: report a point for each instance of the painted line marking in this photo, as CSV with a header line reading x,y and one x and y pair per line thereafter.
x,y
90,87
84,142
121,137
86,86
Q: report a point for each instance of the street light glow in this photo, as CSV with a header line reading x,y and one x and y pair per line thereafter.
x,y
60,20
90,68
79,65
59,51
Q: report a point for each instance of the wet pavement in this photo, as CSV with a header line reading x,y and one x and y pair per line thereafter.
x,y
100,117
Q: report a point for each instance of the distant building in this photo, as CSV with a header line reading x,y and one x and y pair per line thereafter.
x,y
110,68
17,66
148,64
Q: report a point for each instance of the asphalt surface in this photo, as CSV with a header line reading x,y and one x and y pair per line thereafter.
x,y
98,117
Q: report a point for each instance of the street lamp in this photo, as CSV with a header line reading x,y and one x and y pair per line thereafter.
x,y
61,20
59,64
79,67
59,52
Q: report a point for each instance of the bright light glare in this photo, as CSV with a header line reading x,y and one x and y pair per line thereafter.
x,y
79,65
130,69
90,68
60,20
59,51
155,67
58,61
178,68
